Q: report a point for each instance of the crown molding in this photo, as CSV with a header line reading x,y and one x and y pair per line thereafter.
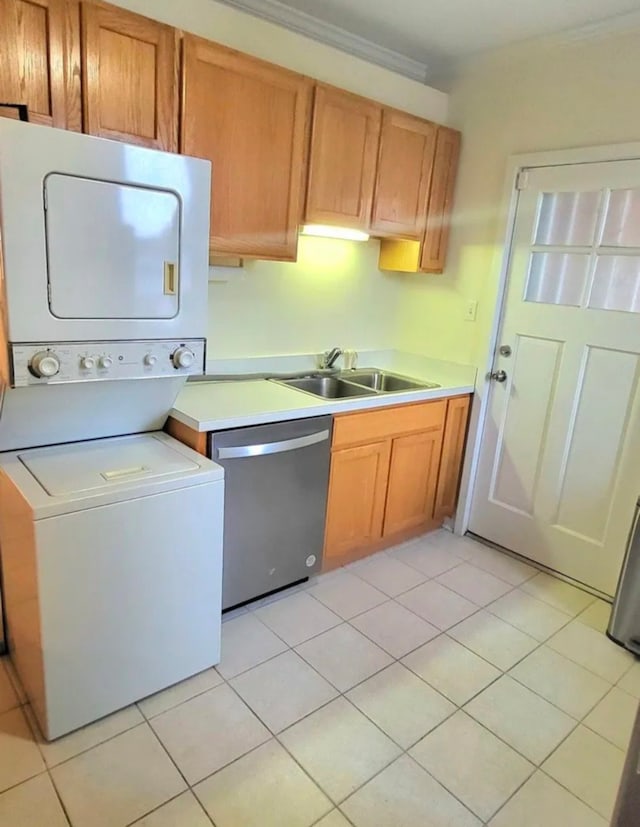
x,y
305,24
626,22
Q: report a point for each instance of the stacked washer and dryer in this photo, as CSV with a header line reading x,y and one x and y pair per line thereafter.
x,y
110,530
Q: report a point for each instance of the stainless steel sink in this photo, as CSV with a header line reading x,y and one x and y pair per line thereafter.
x,y
328,387
384,381
356,383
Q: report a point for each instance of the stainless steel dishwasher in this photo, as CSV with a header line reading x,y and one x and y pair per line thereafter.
x,y
276,483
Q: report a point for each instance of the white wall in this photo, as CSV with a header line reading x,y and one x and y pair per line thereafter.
x,y
335,293
540,96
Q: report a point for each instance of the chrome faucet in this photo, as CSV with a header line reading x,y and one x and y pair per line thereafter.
x,y
329,357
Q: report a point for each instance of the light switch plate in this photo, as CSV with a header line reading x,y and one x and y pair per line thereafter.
x,y
471,311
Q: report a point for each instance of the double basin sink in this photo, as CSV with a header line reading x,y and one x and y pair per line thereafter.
x,y
356,383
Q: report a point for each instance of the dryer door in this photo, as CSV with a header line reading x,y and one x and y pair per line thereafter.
x,y
112,249
101,240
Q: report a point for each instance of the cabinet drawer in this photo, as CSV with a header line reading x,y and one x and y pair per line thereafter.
x,y
371,426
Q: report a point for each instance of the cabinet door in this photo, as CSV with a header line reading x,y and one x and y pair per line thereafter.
x,y
413,475
250,119
445,168
129,90
455,431
357,488
405,161
342,166
40,48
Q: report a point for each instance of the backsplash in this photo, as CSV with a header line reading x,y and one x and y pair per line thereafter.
x,y
333,295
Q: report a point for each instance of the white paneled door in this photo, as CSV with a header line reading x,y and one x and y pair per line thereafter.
x,y
559,471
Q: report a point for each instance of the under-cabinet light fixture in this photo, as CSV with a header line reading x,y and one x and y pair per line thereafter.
x,y
327,231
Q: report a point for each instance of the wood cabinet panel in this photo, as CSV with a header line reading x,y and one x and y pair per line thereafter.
x,y
250,119
429,254
40,49
357,490
453,443
405,161
342,163
413,476
188,436
130,81
445,168
370,426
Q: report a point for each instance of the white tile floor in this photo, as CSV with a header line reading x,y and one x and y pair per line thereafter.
x,y
438,683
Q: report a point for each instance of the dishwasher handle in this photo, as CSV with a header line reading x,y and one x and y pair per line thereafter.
x,y
239,451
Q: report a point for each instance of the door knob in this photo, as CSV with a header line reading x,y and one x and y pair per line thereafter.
x,y
498,375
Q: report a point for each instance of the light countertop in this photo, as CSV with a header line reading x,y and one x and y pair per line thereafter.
x,y
217,406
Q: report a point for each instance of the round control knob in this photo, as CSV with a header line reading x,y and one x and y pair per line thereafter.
x,y
87,362
150,360
44,364
105,362
183,357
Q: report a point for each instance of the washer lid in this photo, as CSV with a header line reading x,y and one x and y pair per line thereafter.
x,y
73,469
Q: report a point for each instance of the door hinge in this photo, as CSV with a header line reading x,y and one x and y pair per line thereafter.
x,y
522,179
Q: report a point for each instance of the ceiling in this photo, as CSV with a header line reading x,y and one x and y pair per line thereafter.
x,y
425,37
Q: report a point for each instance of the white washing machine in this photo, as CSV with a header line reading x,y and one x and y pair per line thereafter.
x,y
112,565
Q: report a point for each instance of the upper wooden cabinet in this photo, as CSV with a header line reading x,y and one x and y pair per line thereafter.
x,y
85,65
40,60
445,168
428,255
250,118
342,163
405,162
130,77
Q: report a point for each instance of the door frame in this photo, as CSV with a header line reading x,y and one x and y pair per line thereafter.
x,y
499,272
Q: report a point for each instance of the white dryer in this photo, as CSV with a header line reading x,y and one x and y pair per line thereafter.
x,y
112,563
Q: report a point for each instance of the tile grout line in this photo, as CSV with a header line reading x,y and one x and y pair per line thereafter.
x,y
403,750
395,659
58,794
38,735
579,721
570,619
341,694
168,801
566,789
275,737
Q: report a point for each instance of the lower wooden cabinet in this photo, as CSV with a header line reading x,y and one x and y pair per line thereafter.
x,y
357,491
413,477
453,442
394,473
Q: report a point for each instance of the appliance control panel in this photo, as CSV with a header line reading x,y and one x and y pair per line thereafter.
x,y
57,362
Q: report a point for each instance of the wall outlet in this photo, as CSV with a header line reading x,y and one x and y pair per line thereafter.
x,y
471,311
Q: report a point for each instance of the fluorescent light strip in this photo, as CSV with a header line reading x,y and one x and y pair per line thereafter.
x,y
327,231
